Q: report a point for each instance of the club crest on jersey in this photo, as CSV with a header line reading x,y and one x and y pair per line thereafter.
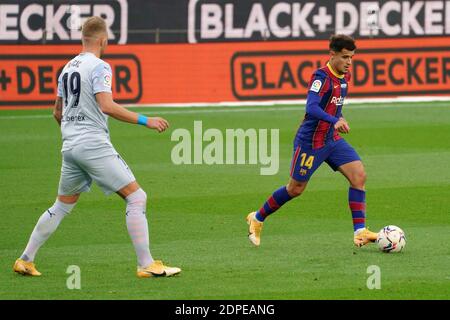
x,y
338,101
316,85
107,80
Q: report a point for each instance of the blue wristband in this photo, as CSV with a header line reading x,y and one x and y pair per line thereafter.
x,y
142,120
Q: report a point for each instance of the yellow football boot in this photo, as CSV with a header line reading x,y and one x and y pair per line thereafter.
x,y
26,268
254,229
364,236
157,269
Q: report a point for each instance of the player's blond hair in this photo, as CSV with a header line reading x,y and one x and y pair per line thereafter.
x,y
93,27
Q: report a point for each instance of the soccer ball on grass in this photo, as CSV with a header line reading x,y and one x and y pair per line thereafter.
x,y
391,239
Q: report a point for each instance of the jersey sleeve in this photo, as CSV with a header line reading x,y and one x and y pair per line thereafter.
x,y
102,78
60,89
318,86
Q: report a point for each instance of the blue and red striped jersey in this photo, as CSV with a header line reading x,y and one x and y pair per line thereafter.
x,y
326,93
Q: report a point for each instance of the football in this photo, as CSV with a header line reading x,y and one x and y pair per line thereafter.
x,y
391,239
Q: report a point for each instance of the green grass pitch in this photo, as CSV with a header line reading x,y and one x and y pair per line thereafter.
x,y
197,212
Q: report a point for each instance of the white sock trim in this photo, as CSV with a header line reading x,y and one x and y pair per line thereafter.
x,y
62,207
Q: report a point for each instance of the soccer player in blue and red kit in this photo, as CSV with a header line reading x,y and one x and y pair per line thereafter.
x,y
318,140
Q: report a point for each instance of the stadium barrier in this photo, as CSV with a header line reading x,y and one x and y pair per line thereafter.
x,y
240,71
211,51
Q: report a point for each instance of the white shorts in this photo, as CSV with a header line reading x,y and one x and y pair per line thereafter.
x,y
83,164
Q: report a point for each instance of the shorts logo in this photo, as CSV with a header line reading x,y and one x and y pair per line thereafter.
x,y
107,80
316,85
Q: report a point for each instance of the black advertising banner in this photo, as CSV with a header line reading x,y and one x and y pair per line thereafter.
x,y
213,20
196,21
58,22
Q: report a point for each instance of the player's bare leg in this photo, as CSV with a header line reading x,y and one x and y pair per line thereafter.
x,y
137,226
355,174
128,189
45,227
295,188
69,199
255,219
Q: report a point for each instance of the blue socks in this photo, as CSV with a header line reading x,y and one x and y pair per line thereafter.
x,y
357,203
276,200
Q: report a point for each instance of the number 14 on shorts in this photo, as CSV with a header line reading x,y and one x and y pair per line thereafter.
x,y
305,161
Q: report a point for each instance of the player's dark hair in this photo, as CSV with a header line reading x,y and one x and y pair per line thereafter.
x,y
342,41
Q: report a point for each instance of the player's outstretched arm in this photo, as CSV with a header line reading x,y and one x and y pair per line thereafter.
x,y
109,107
57,110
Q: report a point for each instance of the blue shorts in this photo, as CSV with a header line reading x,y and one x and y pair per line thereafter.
x,y
305,160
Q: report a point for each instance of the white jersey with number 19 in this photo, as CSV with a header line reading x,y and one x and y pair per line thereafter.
x,y
82,119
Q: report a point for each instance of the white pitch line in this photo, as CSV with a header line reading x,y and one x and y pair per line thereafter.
x,y
292,102
300,109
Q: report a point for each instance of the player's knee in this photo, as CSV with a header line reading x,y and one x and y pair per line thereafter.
x,y
67,201
51,218
359,179
143,196
294,190
62,208
137,198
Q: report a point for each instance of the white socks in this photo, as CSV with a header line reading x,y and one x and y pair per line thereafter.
x,y
47,224
137,226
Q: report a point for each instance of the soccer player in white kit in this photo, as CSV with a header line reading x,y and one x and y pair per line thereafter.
x,y
84,102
